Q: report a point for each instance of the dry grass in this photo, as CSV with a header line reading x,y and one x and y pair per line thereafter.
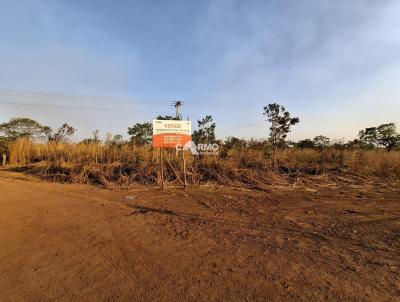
x,y
378,163
126,164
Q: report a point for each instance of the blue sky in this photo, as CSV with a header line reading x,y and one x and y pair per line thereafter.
x,y
335,64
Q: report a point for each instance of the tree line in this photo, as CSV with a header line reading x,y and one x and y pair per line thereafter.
x,y
279,120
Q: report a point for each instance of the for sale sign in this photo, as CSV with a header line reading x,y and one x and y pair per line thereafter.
x,y
168,134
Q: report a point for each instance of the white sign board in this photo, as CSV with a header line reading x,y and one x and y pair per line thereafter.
x,y
169,133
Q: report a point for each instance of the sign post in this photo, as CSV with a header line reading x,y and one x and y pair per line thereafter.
x,y
161,170
169,134
184,168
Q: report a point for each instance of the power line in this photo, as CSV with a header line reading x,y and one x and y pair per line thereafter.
x,y
48,93
55,96
121,109
59,97
63,99
76,107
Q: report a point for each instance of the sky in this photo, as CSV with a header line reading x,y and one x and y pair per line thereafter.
x,y
334,64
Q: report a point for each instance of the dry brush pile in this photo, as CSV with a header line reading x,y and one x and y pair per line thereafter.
x,y
123,165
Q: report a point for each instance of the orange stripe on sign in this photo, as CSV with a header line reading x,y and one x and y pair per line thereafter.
x,y
170,140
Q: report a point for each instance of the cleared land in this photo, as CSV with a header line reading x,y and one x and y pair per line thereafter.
x,y
333,241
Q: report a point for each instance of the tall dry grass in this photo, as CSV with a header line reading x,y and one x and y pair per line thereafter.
x,y
378,162
126,164
25,151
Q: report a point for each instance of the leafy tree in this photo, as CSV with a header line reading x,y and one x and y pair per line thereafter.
x,y
62,133
321,141
116,140
141,133
205,132
384,135
369,136
22,127
234,142
339,145
355,144
167,118
388,136
305,143
281,122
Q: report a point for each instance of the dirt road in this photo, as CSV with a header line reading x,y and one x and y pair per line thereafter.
x,y
63,242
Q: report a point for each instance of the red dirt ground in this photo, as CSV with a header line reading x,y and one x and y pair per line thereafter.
x,y
63,242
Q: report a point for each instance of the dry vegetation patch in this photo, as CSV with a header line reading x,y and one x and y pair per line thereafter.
x,y
124,165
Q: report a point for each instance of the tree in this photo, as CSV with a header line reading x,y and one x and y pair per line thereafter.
x,y
116,140
281,122
206,131
384,135
167,118
22,127
388,136
141,133
62,133
321,141
234,142
355,144
305,143
369,136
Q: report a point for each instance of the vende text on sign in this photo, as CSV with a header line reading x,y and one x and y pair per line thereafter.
x,y
168,134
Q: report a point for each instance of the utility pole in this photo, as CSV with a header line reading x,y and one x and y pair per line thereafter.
x,y
177,106
178,116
